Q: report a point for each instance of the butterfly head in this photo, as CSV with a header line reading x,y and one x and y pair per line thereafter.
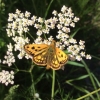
x,y
53,43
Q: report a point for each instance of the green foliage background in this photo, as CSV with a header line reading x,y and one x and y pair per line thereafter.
x,y
78,78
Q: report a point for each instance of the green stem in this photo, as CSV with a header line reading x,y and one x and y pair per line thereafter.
x,y
32,83
88,94
91,78
48,9
31,35
53,85
34,6
32,78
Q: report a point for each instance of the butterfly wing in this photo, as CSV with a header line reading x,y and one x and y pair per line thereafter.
x,y
61,56
38,52
41,59
58,60
54,63
47,55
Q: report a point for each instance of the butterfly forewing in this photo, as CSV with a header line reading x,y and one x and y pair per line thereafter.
x,y
38,52
35,49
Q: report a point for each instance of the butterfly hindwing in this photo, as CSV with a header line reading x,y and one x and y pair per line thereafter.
x,y
40,59
55,63
61,56
58,59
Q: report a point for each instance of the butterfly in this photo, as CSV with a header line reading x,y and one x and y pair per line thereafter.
x,y
47,55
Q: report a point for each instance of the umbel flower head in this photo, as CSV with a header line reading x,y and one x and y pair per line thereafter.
x,y
18,30
6,77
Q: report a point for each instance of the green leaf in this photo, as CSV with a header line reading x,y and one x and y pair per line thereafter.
x,y
75,64
79,78
81,89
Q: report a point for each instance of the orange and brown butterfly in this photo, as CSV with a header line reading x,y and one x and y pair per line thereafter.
x,y
47,55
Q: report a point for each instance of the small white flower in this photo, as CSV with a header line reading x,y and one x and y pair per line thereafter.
x,y
26,29
60,31
71,40
76,19
82,47
81,42
18,11
12,82
21,55
38,40
72,24
40,20
27,14
78,58
36,95
10,47
33,18
63,9
6,83
39,32
50,38
59,26
38,26
11,15
54,12
66,43
88,56
15,16
82,54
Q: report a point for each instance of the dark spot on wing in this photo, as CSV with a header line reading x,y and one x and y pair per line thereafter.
x,y
33,47
31,53
38,47
36,50
61,55
27,46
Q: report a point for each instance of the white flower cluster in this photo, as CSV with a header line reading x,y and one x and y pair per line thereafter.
x,y
18,27
77,51
6,77
9,58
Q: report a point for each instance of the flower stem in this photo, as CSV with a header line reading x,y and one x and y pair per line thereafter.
x,y
32,79
53,85
48,8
